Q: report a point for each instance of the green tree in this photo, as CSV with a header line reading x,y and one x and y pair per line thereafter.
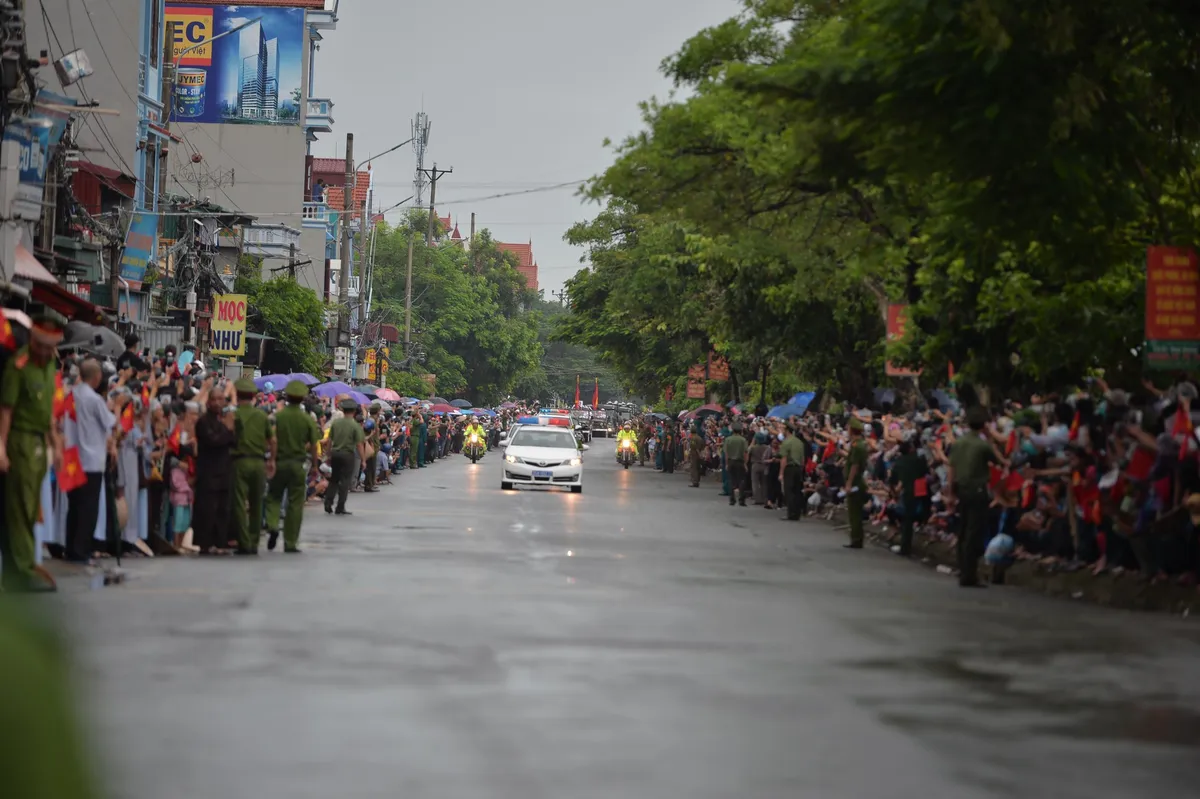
x,y
289,313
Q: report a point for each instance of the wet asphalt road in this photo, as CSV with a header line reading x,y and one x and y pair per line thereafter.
x,y
640,640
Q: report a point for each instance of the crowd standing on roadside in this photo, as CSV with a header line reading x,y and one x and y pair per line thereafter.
x,y
142,455
1104,480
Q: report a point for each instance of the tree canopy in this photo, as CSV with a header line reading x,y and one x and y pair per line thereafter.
x,y
1000,167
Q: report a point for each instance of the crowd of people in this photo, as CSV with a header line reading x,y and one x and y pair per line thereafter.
x,y
143,455
1102,479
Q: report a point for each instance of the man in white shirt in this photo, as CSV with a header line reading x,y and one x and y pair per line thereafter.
x,y
90,431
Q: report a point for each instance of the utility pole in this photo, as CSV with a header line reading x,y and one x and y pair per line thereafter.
x,y
562,296
433,175
292,261
343,336
471,245
408,299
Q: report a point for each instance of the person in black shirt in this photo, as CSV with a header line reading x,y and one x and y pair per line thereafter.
x,y
130,355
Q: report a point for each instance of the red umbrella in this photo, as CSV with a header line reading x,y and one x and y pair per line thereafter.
x,y
442,409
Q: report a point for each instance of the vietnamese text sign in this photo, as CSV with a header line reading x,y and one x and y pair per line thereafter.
x,y
1172,320
251,76
140,244
228,325
718,368
696,372
695,388
897,325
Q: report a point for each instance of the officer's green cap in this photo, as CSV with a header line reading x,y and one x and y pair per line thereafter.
x,y
245,386
375,406
295,390
856,424
349,404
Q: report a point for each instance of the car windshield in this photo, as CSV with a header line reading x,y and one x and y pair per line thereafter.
x,y
551,439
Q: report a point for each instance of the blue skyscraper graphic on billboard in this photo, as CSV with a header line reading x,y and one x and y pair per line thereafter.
x,y
251,76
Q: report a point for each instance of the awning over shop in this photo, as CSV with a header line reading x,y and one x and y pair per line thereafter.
x,y
31,268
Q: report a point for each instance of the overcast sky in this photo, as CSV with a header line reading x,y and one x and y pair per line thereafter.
x,y
521,94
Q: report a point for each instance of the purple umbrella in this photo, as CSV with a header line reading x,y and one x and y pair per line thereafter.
x,y
278,381
303,377
360,398
331,390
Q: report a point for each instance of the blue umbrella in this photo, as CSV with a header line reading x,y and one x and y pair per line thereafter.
x,y
803,400
278,381
331,390
785,411
303,377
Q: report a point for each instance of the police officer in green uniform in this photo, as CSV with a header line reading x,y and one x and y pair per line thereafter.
x,y
970,459
373,446
695,453
346,437
26,432
856,483
791,473
296,437
254,441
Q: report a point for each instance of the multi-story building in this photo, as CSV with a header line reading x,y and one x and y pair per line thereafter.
x,y
228,122
526,264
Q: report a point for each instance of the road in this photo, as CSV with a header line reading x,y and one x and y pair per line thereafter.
x,y
641,640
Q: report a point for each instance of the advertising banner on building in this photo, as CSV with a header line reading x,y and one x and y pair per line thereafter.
x,y
897,322
249,77
228,325
140,244
1172,321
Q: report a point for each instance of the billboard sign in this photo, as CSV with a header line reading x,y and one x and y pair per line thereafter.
x,y
1172,316
140,245
250,76
228,325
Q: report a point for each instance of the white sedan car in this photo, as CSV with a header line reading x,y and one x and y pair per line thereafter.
x,y
542,455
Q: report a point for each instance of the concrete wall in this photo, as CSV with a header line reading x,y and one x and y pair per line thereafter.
x,y
115,82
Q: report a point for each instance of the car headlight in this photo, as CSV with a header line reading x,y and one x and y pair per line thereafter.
x,y
512,459
575,461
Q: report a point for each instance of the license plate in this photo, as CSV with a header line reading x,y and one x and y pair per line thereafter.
x,y
542,473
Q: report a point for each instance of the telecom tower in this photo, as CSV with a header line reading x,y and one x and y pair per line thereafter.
x,y
420,132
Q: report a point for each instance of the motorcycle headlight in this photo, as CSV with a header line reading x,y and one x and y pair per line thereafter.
x,y
512,459
474,439
575,461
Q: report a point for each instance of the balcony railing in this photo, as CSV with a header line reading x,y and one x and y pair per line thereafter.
x,y
319,114
316,215
335,287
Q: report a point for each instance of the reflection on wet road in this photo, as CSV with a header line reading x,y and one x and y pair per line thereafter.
x,y
639,640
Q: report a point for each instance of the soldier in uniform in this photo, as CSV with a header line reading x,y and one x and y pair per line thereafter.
x,y
26,432
669,448
970,459
856,483
296,437
369,465
791,473
254,443
346,437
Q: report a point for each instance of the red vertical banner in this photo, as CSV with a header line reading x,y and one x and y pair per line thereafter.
x,y
596,394
669,393
897,325
576,391
1172,321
